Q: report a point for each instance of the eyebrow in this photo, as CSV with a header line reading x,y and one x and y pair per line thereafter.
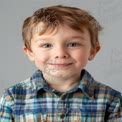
x,y
43,39
67,38
76,37
81,37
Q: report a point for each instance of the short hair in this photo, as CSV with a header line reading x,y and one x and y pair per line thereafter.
x,y
51,17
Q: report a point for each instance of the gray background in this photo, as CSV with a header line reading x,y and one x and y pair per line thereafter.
x,y
15,66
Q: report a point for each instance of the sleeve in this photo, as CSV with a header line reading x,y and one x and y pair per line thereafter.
x,y
6,103
114,113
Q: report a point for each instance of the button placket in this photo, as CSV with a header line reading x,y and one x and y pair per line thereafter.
x,y
61,108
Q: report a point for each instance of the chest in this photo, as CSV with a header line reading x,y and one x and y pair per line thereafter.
x,y
71,108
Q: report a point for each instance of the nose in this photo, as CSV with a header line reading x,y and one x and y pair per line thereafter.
x,y
61,52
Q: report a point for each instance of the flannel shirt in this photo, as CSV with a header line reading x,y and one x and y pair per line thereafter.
x,y
32,100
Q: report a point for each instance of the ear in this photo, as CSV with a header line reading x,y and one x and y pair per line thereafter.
x,y
94,52
28,53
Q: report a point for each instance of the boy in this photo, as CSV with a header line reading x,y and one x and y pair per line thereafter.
x,y
60,41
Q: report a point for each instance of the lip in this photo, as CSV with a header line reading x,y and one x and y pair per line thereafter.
x,y
61,65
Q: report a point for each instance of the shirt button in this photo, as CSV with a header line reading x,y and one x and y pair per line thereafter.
x,y
62,116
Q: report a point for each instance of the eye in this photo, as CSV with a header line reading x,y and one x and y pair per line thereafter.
x,y
74,44
46,45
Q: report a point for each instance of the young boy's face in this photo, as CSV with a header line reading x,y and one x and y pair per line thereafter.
x,y
63,53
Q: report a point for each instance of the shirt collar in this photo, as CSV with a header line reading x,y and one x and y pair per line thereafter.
x,y
87,84
37,80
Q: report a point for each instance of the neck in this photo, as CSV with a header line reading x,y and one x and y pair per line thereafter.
x,y
61,84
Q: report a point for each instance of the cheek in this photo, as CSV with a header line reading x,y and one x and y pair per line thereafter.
x,y
81,56
81,59
41,60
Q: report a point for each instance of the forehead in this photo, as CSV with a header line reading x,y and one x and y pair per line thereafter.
x,y
61,35
62,30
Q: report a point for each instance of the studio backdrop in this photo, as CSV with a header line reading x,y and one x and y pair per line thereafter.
x,y
15,66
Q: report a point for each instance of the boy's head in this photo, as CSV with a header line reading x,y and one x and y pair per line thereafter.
x,y
50,18
60,40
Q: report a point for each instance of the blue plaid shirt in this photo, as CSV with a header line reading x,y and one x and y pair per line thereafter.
x,y
33,101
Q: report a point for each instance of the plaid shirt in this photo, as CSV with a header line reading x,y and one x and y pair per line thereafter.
x,y
33,101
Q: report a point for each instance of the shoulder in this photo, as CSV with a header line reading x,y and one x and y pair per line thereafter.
x,y
99,88
111,97
18,91
105,89
24,89
21,85
107,94
14,94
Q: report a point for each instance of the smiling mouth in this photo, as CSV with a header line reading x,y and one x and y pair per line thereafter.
x,y
61,65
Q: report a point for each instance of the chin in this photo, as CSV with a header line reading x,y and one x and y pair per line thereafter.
x,y
62,75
